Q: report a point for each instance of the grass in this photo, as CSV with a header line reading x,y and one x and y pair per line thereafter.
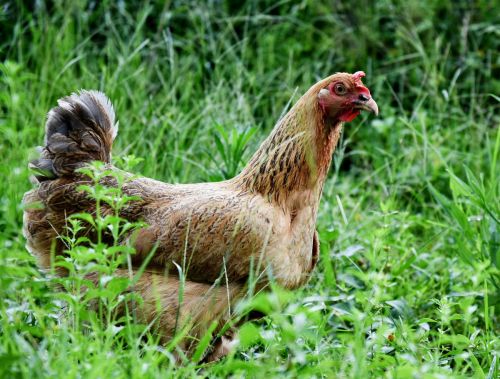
x,y
408,282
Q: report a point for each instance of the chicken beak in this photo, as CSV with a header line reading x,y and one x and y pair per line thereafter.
x,y
369,105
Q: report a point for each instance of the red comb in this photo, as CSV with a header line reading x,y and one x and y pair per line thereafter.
x,y
357,81
358,75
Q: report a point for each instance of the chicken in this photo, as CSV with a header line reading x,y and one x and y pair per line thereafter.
x,y
262,220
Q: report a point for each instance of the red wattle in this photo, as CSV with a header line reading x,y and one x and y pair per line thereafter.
x,y
349,115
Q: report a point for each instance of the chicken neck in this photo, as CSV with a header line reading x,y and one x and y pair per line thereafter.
x,y
291,165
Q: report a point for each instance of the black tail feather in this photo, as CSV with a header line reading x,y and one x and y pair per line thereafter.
x,y
78,131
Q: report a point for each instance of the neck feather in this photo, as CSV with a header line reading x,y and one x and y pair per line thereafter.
x,y
296,156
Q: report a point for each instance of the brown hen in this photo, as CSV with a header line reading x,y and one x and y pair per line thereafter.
x,y
262,220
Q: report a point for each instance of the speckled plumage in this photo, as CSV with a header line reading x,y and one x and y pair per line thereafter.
x,y
263,219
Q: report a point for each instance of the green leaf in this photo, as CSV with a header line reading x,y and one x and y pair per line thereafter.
x,y
249,335
204,342
84,217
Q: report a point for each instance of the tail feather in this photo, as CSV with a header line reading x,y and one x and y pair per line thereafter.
x,y
78,131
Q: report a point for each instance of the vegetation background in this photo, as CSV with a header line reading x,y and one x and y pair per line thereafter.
x,y
408,283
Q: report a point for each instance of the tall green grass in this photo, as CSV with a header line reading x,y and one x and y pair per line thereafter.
x,y
408,282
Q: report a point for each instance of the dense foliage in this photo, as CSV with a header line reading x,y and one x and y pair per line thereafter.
x,y
408,284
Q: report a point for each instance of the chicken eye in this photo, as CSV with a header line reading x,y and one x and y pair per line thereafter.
x,y
340,89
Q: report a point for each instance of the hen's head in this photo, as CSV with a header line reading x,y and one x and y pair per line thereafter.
x,y
343,96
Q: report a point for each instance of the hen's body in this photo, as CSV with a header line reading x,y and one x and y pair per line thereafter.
x,y
218,228
261,220
212,229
